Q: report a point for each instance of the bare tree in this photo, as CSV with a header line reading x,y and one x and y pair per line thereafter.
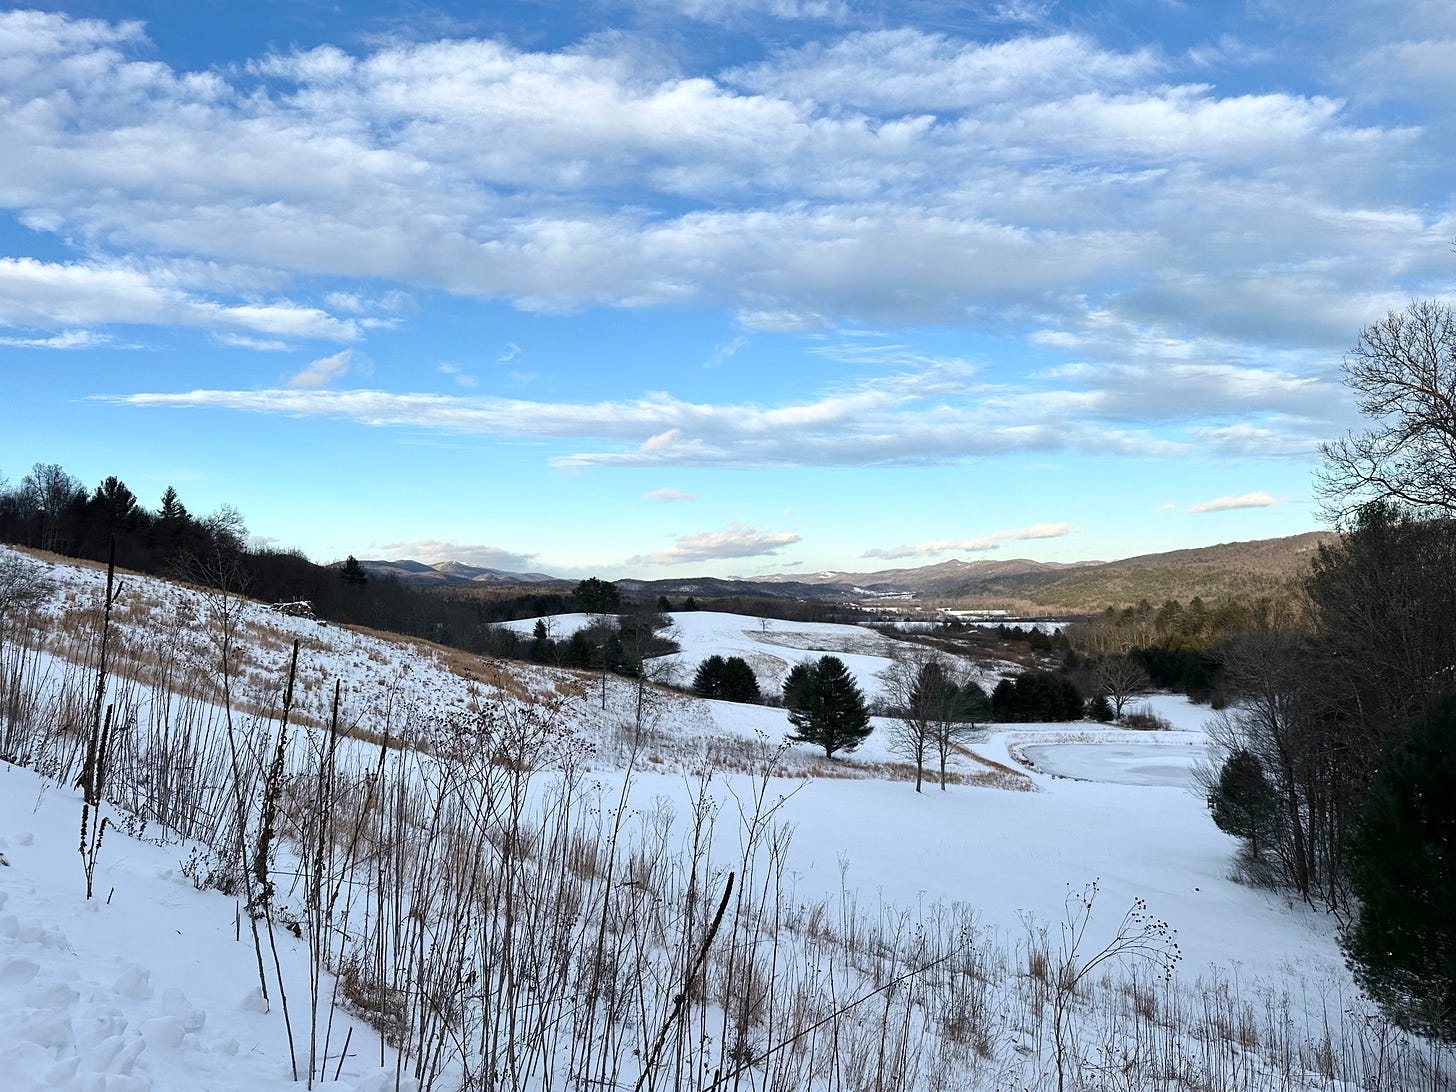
x,y
23,586
1403,372
1121,679
930,718
50,491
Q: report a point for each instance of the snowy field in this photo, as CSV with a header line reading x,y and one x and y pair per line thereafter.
x,y
146,988
769,645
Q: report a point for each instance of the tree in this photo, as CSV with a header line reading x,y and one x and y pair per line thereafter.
x,y
52,493
23,586
353,573
708,682
1121,679
1243,802
1036,696
931,716
729,679
739,682
541,647
826,706
1402,868
596,596
1403,372
115,505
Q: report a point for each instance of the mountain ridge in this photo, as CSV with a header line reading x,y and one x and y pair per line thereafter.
x,y
1254,567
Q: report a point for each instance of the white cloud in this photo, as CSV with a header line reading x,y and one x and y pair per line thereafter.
x,y
669,495
735,540
461,376
323,371
511,351
982,544
725,351
891,176
70,339
257,344
1260,499
940,413
51,294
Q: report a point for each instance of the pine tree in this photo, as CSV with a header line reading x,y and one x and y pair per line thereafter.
x,y
826,706
1402,868
353,572
708,682
1243,802
739,681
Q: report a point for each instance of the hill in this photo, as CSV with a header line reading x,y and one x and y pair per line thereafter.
x,y
1262,567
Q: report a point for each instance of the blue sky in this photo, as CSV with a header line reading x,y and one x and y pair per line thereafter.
x,y
722,286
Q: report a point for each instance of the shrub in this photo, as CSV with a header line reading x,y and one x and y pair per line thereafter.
x,y
1402,868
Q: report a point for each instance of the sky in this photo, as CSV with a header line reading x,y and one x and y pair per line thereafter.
x,y
714,287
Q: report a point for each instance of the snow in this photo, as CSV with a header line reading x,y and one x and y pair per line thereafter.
x,y
1119,764
146,986
770,646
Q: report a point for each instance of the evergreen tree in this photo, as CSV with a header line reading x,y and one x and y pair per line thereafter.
x,y
708,682
1243,802
739,681
1402,867
826,706
540,642
596,596
730,679
354,573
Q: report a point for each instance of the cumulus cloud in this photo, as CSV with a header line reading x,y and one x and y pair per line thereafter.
x,y
323,371
894,176
432,551
669,495
1260,499
982,544
735,540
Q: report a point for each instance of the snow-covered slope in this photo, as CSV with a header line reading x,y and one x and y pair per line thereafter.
x,y
146,986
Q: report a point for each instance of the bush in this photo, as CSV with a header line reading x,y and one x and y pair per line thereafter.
x,y
1143,719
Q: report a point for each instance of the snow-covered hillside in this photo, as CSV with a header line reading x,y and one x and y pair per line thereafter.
x,y
847,877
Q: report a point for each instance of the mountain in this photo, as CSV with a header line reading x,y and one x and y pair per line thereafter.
x,y
452,572
1263,567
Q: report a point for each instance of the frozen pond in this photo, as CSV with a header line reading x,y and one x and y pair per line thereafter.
x,y
1119,763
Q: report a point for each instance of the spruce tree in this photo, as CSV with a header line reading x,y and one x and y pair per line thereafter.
x,y
1402,867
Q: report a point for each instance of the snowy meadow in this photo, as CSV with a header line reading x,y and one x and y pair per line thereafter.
x,y
323,855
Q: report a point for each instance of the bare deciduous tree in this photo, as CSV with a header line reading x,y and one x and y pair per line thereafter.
x,y
930,718
1403,372
1121,679
23,586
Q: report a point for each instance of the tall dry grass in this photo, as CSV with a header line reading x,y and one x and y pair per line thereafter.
x,y
504,918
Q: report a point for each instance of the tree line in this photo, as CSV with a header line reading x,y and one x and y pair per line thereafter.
x,y
1339,739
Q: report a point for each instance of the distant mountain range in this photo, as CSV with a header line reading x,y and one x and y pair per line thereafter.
x,y
1246,569
452,572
